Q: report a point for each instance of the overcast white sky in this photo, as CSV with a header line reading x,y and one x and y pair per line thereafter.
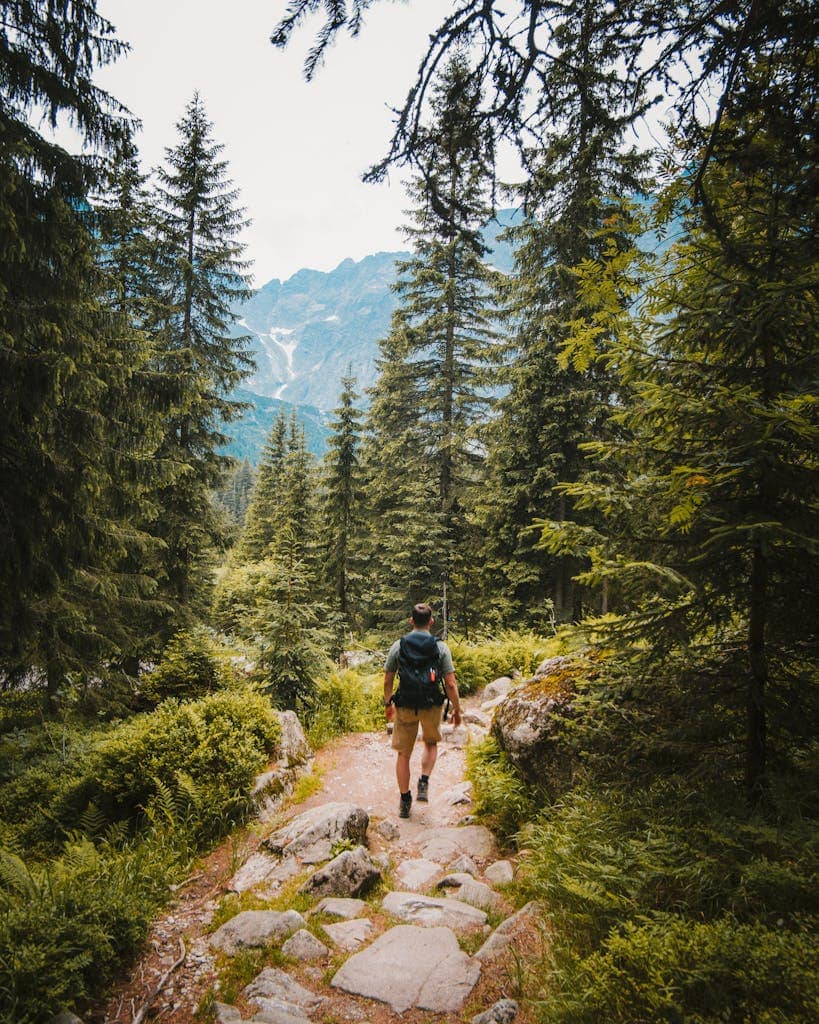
x,y
296,151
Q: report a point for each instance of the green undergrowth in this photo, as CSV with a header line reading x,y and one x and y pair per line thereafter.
x,y
478,662
97,821
345,701
664,898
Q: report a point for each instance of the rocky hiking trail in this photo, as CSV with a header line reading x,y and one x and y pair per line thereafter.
x,y
400,919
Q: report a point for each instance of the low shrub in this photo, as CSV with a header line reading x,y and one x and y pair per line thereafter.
x,y
676,970
500,794
478,663
201,754
667,909
65,926
188,669
346,702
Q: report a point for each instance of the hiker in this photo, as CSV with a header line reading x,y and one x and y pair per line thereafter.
x,y
423,664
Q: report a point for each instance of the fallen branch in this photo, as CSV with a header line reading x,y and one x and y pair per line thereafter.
x,y
140,1016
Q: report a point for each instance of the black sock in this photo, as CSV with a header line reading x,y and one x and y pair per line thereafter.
x,y
406,797
424,778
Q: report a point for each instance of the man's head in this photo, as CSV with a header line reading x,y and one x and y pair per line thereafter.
x,y
421,616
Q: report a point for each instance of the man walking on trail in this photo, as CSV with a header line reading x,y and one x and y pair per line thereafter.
x,y
423,664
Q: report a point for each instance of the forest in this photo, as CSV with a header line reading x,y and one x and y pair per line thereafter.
x,y
611,450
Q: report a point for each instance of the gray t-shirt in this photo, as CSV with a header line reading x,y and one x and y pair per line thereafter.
x,y
443,651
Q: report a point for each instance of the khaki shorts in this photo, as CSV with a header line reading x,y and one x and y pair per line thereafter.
x,y
406,727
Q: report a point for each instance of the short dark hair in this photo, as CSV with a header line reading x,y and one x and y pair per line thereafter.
x,y
421,614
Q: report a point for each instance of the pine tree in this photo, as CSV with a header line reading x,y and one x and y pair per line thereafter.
x,y
440,345
710,503
550,408
59,356
202,273
342,511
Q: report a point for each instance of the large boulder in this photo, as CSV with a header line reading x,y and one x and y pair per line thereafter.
x,y
526,724
311,836
351,873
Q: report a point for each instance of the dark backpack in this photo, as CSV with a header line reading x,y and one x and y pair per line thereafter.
x,y
419,672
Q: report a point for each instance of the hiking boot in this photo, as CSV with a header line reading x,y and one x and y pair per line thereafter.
x,y
423,790
404,805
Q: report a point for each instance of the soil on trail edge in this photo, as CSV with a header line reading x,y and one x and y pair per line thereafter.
x,y
357,768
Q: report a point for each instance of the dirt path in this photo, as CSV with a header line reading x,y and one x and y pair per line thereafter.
x,y
356,768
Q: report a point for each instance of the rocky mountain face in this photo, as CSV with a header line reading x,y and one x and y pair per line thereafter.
x,y
309,330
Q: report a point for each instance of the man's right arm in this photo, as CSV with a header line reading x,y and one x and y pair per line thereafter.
x,y
451,687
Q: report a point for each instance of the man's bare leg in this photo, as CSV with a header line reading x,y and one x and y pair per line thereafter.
x,y
428,759
402,772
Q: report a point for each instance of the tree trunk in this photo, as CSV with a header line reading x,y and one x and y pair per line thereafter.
x,y
756,724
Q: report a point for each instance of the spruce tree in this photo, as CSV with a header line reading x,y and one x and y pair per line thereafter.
x,y
710,501
202,271
433,363
550,408
342,511
61,364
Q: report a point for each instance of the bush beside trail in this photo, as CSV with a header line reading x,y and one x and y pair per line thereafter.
x,y
97,825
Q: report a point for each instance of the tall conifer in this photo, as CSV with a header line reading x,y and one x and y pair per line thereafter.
x,y
202,271
432,364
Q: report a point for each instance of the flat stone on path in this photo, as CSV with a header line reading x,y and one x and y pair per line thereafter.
x,y
340,906
476,894
409,966
303,945
253,928
442,844
430,911
415,874
274,986
255,870
501,872
463,863
311,836
349,934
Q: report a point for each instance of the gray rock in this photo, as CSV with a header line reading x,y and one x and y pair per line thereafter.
x,y
460,794
431,911
500,873
294,748
444,844
66,1017
302,945
310,836
476,894
526,728
503,934
279,1013
503,1012
407,967
463,864
497,688
455,880
388,829
349,934
256,869
272,788
351,873
227,1014
477,718
549,666
340,906
415,874
275,985
253,928
489,705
